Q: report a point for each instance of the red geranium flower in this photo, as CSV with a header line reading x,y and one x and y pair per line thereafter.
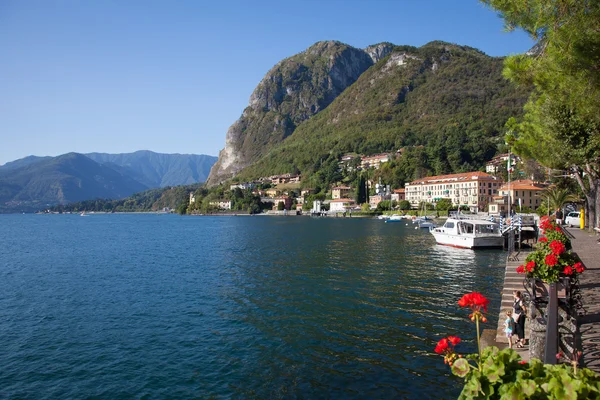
x,y
442,346
568,270
454,340
557,247
578,267
530,266
544,239
551,260
520,269
474,300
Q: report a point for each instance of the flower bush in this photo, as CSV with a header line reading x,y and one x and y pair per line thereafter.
x,y
552,258
502,374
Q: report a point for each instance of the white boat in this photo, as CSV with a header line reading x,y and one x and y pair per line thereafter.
x,y
394,218
468,233
426,224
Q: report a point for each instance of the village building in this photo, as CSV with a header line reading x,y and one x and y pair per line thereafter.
x,y
472,189
287,202
520,193
306,192
243,186
339,192
272,192
501,160
399,195
285,178
375,200
221,204
374,161
192,198
341,205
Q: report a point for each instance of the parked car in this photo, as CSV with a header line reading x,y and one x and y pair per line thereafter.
x,y
572,219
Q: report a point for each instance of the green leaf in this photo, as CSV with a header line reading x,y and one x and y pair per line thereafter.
x,y
527,387
493,369
460,367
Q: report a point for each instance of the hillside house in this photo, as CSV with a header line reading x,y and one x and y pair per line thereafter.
x,y
339,192
374,161
221,204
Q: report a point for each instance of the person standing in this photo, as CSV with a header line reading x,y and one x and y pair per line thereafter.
x,y
508,327
559,217
518,313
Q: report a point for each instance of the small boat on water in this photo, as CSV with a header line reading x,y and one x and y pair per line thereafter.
x,y
468,233
394,218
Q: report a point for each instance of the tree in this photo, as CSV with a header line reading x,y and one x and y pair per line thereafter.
x,y
444,205
361,191
557,197
561,126
404,205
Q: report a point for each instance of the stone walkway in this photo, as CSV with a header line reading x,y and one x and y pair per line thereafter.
x,y
588,249
512,281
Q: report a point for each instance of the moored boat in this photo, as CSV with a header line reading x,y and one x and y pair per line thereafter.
x,y
468,233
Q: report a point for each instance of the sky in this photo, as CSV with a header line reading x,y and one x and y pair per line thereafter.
x,y
172,76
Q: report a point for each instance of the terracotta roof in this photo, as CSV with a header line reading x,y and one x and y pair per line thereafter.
x,y
342,201
342,188
399,190
523,184
462,176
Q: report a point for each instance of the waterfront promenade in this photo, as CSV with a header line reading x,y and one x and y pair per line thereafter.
x,y
586,245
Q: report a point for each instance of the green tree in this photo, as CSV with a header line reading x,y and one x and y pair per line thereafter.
x,y
561,127
404,205
361,191
444,205
557,197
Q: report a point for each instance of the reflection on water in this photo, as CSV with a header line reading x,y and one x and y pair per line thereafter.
x,y
252,307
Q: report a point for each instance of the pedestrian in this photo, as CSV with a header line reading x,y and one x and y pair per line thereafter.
x,y
509,325
559,217
518,314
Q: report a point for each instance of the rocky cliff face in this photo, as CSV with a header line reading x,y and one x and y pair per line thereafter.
x,y
292,91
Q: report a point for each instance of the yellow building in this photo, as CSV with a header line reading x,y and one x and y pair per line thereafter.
x,y
522,193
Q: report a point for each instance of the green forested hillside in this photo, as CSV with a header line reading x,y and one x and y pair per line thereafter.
x,y
451,100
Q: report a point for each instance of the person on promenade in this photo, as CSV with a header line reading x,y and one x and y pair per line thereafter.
x,y
518,312
508,327
559,217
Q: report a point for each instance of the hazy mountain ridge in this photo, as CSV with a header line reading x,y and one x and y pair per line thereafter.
x,y
34,182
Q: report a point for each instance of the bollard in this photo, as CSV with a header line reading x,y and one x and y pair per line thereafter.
x,y
582,219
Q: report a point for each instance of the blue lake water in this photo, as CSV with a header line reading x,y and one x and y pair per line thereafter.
x,y
162,306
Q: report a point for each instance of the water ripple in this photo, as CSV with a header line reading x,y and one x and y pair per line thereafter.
x,y
147,306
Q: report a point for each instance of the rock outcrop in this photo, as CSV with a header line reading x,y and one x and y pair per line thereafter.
x,y
291,92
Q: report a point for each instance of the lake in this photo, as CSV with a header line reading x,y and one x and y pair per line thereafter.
x,y
122,306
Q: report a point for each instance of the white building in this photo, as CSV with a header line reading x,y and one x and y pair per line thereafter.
x,y
221,204
341,205
472,189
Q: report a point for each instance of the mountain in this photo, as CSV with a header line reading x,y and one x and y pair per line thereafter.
x,y
22,162
62,179
34,182
443,104
159,170
290,93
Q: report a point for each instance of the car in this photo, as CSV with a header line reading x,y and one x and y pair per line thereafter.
x,y
572,219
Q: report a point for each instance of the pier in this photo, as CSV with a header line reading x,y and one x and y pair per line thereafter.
x,y
587,333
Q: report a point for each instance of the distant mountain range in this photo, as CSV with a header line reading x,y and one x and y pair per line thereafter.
x,y
33,182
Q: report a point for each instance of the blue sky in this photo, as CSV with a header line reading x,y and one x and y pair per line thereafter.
x,y
172,76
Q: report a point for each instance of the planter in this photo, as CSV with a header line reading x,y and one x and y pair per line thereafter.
x,y
540,289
